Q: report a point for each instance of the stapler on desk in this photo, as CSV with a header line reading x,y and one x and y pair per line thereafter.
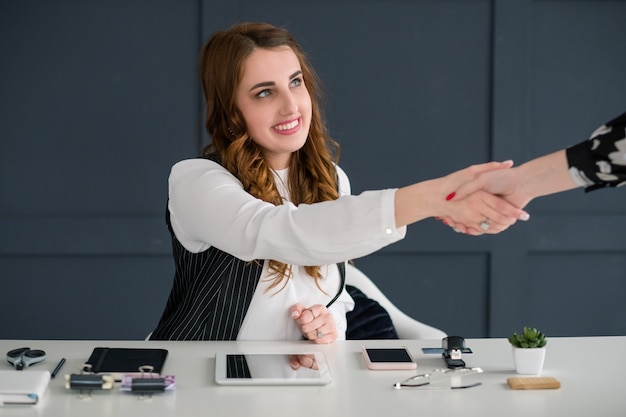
x,y
452,348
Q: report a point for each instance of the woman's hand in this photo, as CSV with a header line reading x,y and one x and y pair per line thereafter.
x,y
484,211
508,184
545,175
306,360
316,323
480,213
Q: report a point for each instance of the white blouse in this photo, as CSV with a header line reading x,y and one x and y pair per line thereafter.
x,y
208,207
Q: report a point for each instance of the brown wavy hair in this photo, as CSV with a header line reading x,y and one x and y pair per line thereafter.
x,y
312,169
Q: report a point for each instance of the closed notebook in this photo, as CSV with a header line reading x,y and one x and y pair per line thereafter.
x,y
22,387
125,360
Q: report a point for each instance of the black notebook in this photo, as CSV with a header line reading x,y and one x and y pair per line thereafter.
x,y
125,360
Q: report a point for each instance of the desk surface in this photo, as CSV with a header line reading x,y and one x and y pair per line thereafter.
x,y
591,372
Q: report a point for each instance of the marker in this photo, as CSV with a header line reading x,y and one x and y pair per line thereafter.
x,y
58,368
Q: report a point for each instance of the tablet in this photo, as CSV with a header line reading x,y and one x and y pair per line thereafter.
x,y
270,369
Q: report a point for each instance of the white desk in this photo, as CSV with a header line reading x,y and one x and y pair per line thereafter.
x,y
591,371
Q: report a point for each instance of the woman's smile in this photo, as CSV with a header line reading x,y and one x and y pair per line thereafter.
x,y
288,128
275,103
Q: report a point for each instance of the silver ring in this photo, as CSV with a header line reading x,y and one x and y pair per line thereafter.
x,y
484,225
320,334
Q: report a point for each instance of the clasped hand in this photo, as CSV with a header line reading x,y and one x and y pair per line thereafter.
x,y
316,323
474,208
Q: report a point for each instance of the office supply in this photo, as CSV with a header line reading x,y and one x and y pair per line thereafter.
x,y
591,385
270,369
88,382
118,361
452,349
540,382
438,350
22,387
147,384
24,357
58,368
441,379
388,358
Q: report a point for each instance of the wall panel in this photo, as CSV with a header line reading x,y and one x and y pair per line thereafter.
x,y
98,100
577,293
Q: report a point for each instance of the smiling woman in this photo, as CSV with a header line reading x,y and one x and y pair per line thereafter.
x,y
274,103
262,223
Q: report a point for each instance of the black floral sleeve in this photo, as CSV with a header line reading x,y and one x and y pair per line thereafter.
x,y
600,161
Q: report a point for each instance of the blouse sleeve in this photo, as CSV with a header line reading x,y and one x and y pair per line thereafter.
x,y
600,161
209,207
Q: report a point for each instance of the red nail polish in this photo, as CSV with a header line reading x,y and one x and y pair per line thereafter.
x,y
450,196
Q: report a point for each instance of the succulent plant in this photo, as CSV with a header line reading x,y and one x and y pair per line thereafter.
x,y
529,338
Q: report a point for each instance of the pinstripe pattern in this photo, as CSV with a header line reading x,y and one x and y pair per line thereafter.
x,y
211,293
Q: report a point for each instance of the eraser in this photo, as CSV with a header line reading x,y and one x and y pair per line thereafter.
x,y
537,382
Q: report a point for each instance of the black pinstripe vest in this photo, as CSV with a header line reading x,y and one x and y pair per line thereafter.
x,y
211,293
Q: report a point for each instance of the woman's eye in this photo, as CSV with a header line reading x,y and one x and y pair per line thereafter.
x,y
296,82
263,94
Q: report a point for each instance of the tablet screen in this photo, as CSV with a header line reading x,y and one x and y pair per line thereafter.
x,y
271,369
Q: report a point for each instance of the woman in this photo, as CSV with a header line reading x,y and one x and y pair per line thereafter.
x,y
259,224
598,162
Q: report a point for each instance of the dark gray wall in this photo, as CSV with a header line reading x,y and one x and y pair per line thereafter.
x,y
99,98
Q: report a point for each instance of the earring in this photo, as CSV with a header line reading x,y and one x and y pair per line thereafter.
x,y
232,135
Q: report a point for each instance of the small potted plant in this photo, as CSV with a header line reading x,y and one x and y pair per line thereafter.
x,y
528,350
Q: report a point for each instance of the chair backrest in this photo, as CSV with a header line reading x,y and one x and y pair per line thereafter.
x,y
406,326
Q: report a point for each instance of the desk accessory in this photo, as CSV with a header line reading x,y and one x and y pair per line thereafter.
x,y
118,361
440,379
452,348
147,384
58,368
439,351
89,382
541,382
528,350
22,387
388,358
236,368
22,358
140,382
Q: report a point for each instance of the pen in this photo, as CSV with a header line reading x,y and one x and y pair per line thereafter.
x,y
58,368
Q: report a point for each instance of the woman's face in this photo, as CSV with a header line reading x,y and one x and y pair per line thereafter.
x,y
275,103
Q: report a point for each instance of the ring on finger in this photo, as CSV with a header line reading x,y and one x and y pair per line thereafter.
x,y
484,225
320,334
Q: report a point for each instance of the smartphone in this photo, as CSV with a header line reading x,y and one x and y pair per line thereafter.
x,y
388,358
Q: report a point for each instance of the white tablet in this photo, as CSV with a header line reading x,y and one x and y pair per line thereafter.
x,y
271,369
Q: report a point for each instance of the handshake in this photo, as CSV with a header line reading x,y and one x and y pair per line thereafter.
x,y
490,197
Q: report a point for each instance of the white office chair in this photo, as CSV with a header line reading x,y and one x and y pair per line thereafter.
x,y
406,326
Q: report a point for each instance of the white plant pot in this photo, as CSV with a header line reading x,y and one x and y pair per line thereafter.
x,y
529,361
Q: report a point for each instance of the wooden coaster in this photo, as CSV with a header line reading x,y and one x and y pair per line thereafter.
x,y
537,382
